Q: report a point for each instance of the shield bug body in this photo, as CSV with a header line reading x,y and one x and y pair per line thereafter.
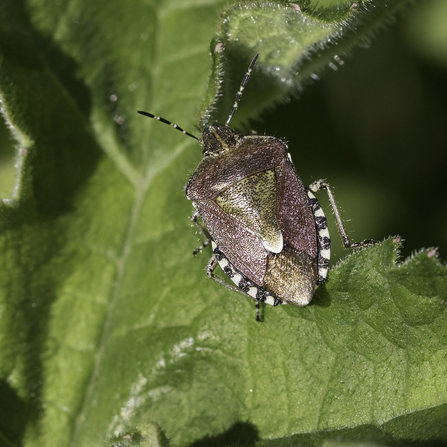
x,y
267,231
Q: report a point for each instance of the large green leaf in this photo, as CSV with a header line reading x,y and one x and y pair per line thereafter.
x,y
106,320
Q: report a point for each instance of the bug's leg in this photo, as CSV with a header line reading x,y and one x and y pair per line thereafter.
x,y
211,266
322,184
203,232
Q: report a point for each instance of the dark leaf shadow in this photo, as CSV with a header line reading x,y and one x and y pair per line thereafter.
x,y
239,434
12,415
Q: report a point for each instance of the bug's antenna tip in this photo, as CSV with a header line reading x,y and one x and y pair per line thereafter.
x,y
146,114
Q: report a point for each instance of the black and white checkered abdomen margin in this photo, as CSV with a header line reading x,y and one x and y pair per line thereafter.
x,y
245,284
323,239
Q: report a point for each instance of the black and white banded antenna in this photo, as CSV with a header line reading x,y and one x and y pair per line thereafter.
x,y
159,118
235,106
241,88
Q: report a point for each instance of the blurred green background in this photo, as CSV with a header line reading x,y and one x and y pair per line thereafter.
x,y
7,159
376,128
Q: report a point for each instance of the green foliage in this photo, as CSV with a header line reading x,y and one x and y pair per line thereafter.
x,y
106,320
296,42
146,434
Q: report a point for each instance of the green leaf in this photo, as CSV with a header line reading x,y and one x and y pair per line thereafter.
x,y
427,32
147,434
106,319
7,170
296,42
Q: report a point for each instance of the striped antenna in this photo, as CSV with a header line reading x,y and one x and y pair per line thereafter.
x,y
168,122
241,88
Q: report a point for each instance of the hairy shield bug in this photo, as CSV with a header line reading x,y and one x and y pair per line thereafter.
x,y
267,231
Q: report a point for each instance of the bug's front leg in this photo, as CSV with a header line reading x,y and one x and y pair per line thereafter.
x,y
322,184
203,232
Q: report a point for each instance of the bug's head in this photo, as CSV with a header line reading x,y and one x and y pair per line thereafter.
x,y
218,139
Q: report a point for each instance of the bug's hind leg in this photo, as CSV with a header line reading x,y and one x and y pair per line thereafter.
x,y
213,262
322,184
211,266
